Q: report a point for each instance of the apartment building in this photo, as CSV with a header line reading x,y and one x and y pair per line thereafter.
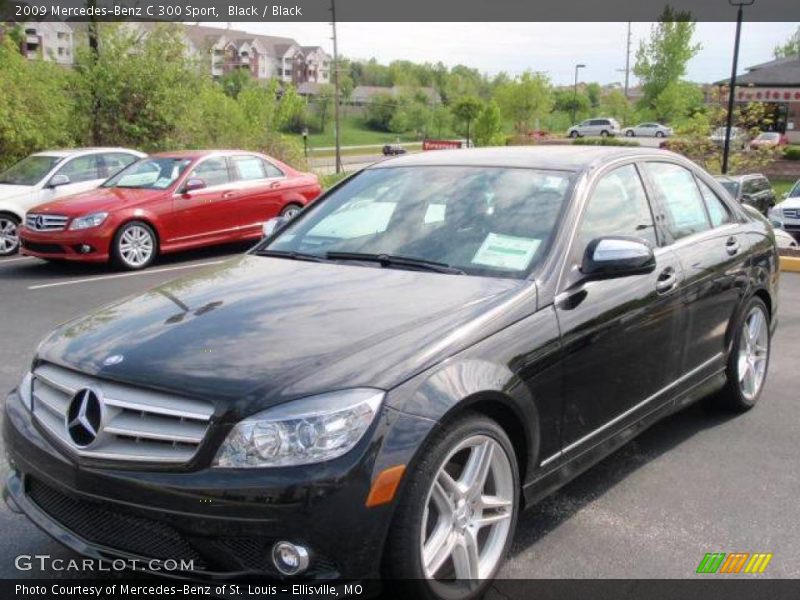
x,y
264,56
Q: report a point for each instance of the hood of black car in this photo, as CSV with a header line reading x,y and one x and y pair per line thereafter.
x,y
270,329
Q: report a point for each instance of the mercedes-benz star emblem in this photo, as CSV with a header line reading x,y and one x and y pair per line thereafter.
x,y
112,360
84,417
39,222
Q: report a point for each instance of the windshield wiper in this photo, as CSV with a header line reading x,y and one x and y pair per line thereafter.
x,y
290,254
390,260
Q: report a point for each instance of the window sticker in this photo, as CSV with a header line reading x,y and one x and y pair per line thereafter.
x,y
435,213
162,183
506,252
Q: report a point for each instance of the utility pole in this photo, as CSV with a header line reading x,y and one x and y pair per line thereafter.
x,y
336,129
628,62
94,47
575,93
732,93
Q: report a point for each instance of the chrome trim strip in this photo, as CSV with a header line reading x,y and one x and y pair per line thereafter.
x,y
631,410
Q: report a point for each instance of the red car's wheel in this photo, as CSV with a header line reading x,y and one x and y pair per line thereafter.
x,y
135,246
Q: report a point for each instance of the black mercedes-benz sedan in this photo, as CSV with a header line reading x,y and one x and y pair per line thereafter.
x,y
384,382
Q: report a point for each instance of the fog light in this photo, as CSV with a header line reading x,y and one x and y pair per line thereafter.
x,y
85,249
289,559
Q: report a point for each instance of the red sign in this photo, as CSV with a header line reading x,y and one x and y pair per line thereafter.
x,y
442,144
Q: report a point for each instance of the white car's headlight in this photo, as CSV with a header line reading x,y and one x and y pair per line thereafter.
x,y
25,390
89,221
301,432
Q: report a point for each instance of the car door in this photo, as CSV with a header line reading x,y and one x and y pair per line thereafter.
x,y
712,248
585,128
83,173
616,332
260,186
207,213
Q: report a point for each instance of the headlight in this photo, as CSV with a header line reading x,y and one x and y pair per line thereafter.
x,y
93,220
306,431
25,390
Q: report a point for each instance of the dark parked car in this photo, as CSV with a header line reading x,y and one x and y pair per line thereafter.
x,y
754,190
381,385
393,150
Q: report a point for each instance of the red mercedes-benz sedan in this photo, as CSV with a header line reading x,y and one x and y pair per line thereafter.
x,y
166,203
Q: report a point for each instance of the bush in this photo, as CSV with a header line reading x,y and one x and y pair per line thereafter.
x,y
791,153
604,141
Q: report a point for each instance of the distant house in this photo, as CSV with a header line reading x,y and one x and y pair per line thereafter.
x,y
363,94
52,41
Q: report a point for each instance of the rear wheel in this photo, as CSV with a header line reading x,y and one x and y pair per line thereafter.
x,y
604,133
749,359
630,133
290,210
455,521
134,246
9,234
659,134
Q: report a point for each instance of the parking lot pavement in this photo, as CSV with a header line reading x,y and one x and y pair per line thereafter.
x,y
697,482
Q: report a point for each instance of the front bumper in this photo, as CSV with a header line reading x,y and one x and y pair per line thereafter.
x,y
66,244
223,522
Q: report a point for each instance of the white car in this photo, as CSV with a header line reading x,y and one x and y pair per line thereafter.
x,y
45,176
601,127
786,214
648,130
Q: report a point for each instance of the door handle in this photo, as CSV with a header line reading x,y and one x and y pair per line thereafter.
x,y
228,195
732,246
274,185
667,281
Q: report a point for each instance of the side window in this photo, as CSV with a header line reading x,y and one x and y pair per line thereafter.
x,y
686,212
249,168
112,163
618,206
83,168
719,213
272,170
214,171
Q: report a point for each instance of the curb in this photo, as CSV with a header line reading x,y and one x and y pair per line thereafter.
x,y
790,263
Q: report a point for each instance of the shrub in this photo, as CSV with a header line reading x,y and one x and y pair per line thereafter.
x,y
606,141
791,153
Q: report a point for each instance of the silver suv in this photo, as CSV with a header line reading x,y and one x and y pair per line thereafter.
x,y
601,127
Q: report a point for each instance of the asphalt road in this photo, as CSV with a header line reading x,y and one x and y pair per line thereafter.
x,y
697,482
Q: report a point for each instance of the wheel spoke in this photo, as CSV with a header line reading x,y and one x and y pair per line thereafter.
x,y
477,468
466,558
441,498
437,550
494,503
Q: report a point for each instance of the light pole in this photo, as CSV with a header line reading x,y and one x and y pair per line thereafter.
x,y
305,141
336,130
575,95
732,84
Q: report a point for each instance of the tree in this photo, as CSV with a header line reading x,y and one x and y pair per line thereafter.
x,y
615,104
466,109
380,110
677,101
566,102
489,126
525,100
663,58
441,119
790,47
593,91
323,103
235,81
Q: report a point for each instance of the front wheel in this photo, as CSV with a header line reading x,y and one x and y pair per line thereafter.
x,y
290,210
604,134
134,246
456,518
659,134
748,362
9,234
574,134
629,133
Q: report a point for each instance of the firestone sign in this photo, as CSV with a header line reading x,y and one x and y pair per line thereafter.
x,y
768,94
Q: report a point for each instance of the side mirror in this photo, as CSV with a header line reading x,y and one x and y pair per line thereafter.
x,y
58,180
273,225
608,257
747,199
194,183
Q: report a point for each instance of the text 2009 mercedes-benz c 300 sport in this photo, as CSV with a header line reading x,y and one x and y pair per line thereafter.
x,y
384,382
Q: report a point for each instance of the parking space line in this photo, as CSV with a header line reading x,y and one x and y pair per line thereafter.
x,y
120,275
5,261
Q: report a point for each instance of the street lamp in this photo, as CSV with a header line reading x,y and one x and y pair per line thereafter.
x,y
575,95
732,91
305,141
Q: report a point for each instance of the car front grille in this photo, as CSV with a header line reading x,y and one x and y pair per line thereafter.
x,y
132,424
45,222
96,524
791,213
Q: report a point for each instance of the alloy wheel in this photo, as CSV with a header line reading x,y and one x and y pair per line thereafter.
x,y
753,353
468,512
9,236
290,212
136,246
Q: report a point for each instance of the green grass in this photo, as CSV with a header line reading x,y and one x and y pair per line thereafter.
x,y
781,187
355,133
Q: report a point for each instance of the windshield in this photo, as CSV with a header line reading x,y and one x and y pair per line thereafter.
x,y
30,171
479,220
150,173
769,136
732,187
795,191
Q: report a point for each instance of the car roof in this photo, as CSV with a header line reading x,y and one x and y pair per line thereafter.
x,y
558,158
67,152
192,154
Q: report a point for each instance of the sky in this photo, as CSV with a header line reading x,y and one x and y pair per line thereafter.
x,y
515,47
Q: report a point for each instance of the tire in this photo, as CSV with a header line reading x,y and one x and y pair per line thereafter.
x,y
630,133
418,521
291,210
9,234
604,133
135,246
574,134
743,389
659,134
